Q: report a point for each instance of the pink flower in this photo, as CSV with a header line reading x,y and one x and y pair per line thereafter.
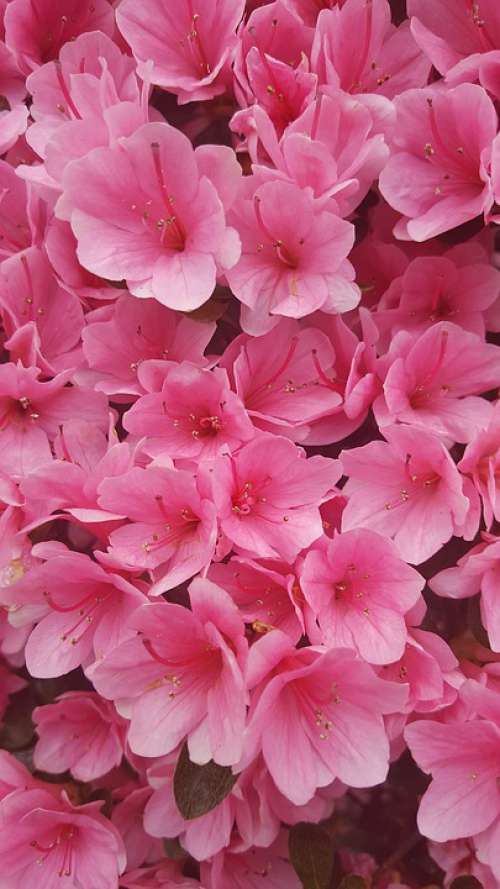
x,y
267,593
35,30
14,775
440,288
172,528
90,75
190,45
359,590
117,340
449,33
481,462
266,868
477,571
458,858
407,488
277,378
436,176
47,839
202,696
357,49
81,733
166,874
16,220
84,458
463,798
272,66
42,321
308,10
61,246
195,416
332,147
31,412
353,376
272,515
82,612
431,383
317,716
143,210
14,114
429,670
253,811
128,818
293,256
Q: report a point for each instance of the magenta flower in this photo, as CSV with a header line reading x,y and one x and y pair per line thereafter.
x,y
117,341
43,322
81,611
268,496
293,258
477,571
195,416
271,69
72,94
462,799
407,488
159,219
432,383
81,733
36,30
32,411
317,717
481,462
172,527
266,868
277,378
455,287
190,44
267,593
359,590
45,838
437,174
450,33
201,696
357,49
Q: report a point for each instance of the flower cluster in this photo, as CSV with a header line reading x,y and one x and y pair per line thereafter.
x,y
249,443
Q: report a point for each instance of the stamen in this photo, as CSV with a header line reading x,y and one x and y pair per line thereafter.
x,y
333,382
65,91
281,250
29,284
171,228
195,43
154,654
363,56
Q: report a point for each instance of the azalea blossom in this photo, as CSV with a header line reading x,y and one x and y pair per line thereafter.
x,y
202,697
164,232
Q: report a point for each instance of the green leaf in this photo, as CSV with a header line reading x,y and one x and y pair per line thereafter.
x,y
312,855
199,789
466,881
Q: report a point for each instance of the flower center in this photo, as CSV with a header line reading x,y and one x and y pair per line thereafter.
x,y
426,389
86,608
363,56
177,526
62,846
417,482
485,39
195,44
172,233
284,253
